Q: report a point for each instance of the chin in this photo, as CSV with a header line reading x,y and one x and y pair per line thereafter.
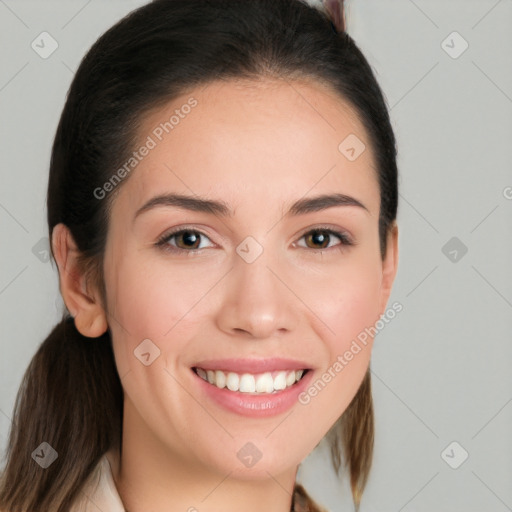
x,y
258,460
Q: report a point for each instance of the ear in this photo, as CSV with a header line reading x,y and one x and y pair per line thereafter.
x,y
389,266
84,306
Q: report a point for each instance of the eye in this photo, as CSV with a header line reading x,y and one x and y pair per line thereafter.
x,y
323,236
186,240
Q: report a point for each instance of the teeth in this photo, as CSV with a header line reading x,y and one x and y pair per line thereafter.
x,y
280,381
290,379
232,381
248,383
220,379
265,383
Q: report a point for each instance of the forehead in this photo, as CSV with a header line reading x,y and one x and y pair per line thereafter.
x,y
240,138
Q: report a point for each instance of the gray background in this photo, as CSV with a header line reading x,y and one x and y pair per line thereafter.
x,y
441,367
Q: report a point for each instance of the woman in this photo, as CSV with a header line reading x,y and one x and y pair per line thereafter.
x,y
221,204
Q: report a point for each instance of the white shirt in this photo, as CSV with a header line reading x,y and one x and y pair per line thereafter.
x,y
100,492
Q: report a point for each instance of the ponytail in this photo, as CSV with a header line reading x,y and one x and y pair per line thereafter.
x,y
70,399
353,437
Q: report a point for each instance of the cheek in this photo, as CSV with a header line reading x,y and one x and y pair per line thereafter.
x,y
346,299
348,306
349,310
353,307
151,301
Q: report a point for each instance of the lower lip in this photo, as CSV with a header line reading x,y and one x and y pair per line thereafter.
x,y
255,406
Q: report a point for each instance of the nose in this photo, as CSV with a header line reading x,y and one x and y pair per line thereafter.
x,y
257,303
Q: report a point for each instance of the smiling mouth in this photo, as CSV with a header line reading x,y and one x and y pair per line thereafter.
x,y
259,384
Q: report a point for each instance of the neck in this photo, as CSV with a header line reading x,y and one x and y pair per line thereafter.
x,y
151,476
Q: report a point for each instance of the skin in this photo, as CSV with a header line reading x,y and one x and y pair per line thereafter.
x,y
258,147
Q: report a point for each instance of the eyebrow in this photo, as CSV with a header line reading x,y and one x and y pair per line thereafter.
x,y
198,204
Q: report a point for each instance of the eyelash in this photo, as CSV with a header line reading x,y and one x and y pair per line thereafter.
x,y
162,242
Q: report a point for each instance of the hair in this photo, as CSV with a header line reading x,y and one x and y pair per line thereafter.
x,y
71,395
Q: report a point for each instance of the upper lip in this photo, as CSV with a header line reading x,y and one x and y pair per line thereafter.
x,y
252,365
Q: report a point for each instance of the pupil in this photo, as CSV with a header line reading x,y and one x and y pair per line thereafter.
x,y
319,238
189,234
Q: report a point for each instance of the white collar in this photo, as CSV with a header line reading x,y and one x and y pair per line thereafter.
x,y
100,493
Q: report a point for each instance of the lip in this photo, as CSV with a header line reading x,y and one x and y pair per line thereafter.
x,y
253,406
253,365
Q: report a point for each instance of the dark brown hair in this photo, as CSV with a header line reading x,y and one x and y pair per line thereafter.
x,y
71,396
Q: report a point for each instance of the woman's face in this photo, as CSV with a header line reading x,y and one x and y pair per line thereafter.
x,y
249,289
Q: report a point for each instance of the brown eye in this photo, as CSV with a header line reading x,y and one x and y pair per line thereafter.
x,y
185,240
320,239
189,238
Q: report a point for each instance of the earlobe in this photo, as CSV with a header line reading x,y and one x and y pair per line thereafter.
x,y
91,325
389,266
84,306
